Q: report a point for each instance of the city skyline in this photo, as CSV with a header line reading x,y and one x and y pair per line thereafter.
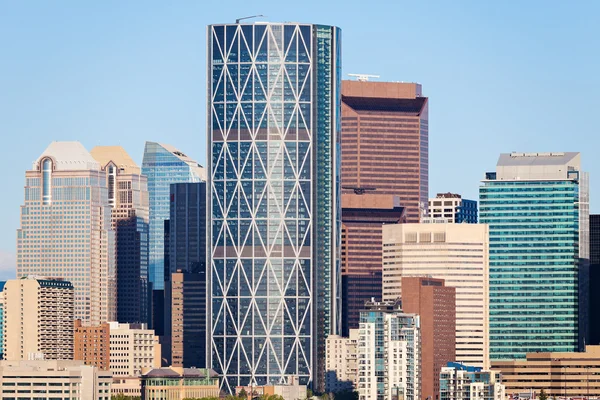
x,y
72,95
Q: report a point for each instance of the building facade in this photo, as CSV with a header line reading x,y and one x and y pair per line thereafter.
x,y
435,303
274,151
128,199
38,319
342,363
453,208
561,375
163,165
363,215
537,209
594,323
133,347
457,253
92,345
389,353
66,229
176,383
385,141
185,276
53,380
461,382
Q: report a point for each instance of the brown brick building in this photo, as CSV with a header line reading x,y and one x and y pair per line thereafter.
x,y
92,345
385,139
436,304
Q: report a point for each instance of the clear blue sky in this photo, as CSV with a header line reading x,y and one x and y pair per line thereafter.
x,y
501,76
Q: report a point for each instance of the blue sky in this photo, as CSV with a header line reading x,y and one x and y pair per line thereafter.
x,y
501,76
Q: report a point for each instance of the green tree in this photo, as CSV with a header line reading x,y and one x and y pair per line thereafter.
x,y
543,395
243,394
309,393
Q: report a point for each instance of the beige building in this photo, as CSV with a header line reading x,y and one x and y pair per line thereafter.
x,y
53,379
457,253
293,390
130,386
561,375
133,347
341,367
66,231
177,383
38,319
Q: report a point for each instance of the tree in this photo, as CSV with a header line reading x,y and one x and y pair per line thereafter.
x,y
243,394
543,395
309,394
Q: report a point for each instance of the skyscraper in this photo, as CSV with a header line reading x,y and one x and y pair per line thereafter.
x,y
385,141
66,228
128,199
274,151
536,205
594,323
363,216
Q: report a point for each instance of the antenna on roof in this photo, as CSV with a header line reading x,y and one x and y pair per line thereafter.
x,y
363,77
237,21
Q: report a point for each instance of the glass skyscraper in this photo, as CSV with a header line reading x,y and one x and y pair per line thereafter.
x,y
274,153
163,164
536,205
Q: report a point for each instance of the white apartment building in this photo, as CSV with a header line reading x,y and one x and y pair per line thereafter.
x,y
389,354
341,367
461,382
457,253
132,347
38,319
53,379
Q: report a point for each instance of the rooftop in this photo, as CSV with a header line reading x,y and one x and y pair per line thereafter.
x,y
116,154
68,156
522,159
413,106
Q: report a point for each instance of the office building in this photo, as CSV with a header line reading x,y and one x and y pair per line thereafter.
x,y
38,319
185,276
385,141
274,149
594,323
561,375
389,353
128,199
53,380
66,231
457,253
537,209
163,165
177,383
461,382
2,283
362,218
453,208
341,371
133,347
435,303
130,386
92,345
291,390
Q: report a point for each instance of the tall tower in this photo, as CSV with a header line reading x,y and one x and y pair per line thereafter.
x,y
128,199
536,205
66,231
274,153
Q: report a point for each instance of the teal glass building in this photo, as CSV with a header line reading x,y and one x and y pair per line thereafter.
x,y
163,165
537,208
274,150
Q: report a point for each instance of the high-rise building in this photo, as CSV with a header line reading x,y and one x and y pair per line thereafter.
x,y
385,141
185,276
453,208
461,382
362,218
594,323
92,345
435,303
163,165
38,319
537,208
128,199
274,153
457,253
132,348
2,283
66,228
389,353
342,362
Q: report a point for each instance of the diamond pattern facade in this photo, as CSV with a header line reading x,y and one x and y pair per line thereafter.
x,y
274,107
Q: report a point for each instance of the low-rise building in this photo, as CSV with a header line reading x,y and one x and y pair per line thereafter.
x,y
133,347
130,386
177,383
461,382
290,391
92,345
53,379
341,367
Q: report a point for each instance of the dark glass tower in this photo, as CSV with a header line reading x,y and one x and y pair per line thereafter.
x,y
594,323
274,153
